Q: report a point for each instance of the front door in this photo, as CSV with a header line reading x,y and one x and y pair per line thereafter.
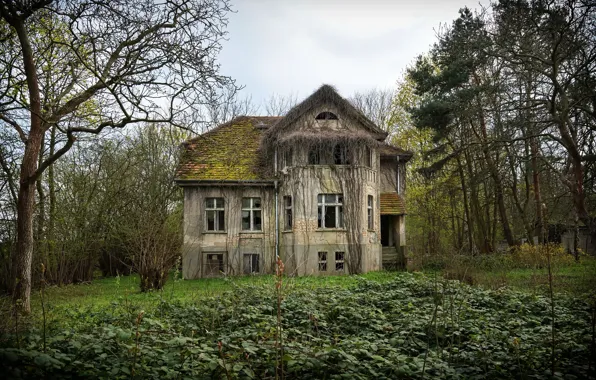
x,y
385,230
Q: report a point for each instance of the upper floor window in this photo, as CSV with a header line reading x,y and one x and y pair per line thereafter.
x,y
215,214
251,214
326,116
341,155
330,212
288,153
369,211
368,157
288,212
314,156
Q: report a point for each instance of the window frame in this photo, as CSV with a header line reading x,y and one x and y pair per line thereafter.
x,y
370,212
341,261
341,155
368,155
288,213
322,260
288,157
216,214
322,206
252,269
221,264
251,214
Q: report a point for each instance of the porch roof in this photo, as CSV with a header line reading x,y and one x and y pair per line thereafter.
x,y
392,204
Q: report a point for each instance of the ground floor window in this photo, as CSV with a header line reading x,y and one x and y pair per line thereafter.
x,y
214,264
339,261
322,261
251,263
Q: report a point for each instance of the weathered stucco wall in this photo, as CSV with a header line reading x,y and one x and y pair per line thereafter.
x,y
233,243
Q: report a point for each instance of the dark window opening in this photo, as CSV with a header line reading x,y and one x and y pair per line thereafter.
x,y
330,212
339,261
288,157
215,214
314,156
251,214
288,212
214,264
322,261
341,155
370,214
326,116
251,263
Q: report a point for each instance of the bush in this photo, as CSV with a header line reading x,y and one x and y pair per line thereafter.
x,y
412,327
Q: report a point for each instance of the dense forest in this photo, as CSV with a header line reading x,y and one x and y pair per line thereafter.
x,y
500,113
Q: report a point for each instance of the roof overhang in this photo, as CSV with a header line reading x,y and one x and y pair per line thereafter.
x,y
204,183
392,204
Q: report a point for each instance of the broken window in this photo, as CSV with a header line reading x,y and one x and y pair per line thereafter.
x,y
214,264
251,263
288,212
251,214
330,211
369,210
326,116
339,261
341,155
322,261
214,214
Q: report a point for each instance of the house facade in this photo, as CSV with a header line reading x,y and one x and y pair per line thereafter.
x,y
319,187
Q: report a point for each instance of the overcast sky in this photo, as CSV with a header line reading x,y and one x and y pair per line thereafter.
x,y
293,46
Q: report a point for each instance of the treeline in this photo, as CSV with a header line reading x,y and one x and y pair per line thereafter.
x,y
502,115
109,206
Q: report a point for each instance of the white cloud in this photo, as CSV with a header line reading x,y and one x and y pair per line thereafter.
x,y
294,46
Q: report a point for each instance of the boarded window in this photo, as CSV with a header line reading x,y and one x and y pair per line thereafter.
x,y
339,261
251,214
330,213
322,261
251,263
215,214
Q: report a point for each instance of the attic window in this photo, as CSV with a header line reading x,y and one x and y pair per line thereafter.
x,y
326,116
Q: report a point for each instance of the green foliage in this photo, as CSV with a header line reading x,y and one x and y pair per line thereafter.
x,y
413,326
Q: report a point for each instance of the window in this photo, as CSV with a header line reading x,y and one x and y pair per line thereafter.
x,y
251,263
288,157
251,214
368,157
340,155
214,213
314,156
322,261
369,212
214,264
330,211
326,116
288,212
339,261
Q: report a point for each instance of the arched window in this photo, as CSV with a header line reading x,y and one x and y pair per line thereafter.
x,y
326,116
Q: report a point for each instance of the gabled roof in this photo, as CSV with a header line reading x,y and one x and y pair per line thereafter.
x,y
392,204
326,94
225,153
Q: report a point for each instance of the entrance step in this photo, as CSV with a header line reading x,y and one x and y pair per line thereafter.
x,y
392,260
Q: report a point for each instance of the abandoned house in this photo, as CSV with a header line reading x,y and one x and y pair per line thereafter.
x,y
319,187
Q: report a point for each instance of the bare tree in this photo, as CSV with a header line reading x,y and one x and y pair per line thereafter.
x,y
279,105
120,62
376,104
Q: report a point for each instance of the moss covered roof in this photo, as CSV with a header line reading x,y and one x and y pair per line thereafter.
x,y
226,153
392,204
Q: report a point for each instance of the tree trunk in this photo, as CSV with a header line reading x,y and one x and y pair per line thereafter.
x,y
541,230
23,256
